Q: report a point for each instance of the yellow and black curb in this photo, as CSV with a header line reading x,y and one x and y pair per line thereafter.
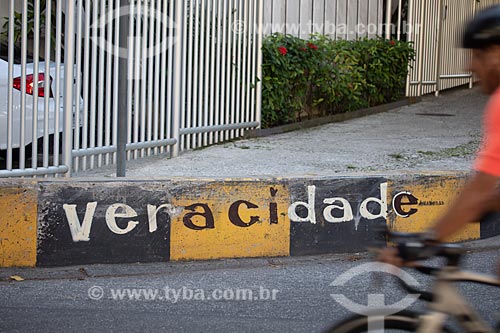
x,y
73,222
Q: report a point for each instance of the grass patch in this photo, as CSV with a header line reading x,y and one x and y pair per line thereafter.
x,y
397,156
466,149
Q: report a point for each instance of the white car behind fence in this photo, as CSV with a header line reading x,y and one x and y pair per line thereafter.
x,y
46,119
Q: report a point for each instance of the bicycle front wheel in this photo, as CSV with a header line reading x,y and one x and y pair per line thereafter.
x,y
405,321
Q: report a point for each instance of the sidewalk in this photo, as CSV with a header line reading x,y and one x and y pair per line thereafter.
x,y
436,134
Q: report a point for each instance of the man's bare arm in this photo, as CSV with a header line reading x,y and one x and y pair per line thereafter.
x,y
477,198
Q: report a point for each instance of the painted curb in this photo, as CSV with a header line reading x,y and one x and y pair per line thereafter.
x,y
75,222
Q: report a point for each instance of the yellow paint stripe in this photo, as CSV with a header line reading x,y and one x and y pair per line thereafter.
x,y
18,220
227,239
434,194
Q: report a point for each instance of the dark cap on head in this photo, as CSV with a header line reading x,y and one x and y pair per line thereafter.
x,y
484,30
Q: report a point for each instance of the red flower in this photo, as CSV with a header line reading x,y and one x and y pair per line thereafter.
x,y
282,50
393,43
303,49
312,46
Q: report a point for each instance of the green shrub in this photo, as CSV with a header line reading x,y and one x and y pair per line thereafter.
x,y
321,76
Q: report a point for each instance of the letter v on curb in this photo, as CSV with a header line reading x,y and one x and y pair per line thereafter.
x,y
80,232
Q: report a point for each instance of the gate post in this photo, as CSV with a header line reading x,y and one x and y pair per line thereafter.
x,y
177,105
123,82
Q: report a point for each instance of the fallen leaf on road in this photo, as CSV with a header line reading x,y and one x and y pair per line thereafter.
x,y
16,278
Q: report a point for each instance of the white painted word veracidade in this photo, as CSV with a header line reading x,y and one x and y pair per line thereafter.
x,y
200,216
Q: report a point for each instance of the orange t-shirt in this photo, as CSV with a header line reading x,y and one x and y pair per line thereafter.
x,y
488,158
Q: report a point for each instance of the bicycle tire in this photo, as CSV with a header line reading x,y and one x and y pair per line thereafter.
x,y
405,321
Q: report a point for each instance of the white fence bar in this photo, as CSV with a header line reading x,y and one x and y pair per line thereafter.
x,y
137,75
184,64
163,78
206,68
224,63
254,30
68,85
109,77
198,68
228,127
116,70
437,64
144,74
35,78
58,60
28,172
130,71
177,106
167,117
151,60
47,83
129,147
190,66
246,70
86,77
100,76
24,51
258,65
218,58
232,68
10,101
211,97
247,63
78,84
156,80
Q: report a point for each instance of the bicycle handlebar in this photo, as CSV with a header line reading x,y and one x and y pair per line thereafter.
x,y
413,247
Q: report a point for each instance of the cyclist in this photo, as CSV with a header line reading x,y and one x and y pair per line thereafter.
x,y
480,195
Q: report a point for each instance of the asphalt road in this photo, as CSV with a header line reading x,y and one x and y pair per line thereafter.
x,y
288,295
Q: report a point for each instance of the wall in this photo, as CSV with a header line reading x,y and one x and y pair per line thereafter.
x,y
337,18
56,223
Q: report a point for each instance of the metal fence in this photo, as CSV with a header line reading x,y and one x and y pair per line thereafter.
x,y
191,73
434,27
192,69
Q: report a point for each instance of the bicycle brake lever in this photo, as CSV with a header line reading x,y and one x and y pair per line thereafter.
x,y
427,270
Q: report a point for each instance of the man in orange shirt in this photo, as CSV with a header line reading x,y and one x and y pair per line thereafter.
x,y
480,195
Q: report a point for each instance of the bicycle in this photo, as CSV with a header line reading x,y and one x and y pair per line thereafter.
x,y
444,301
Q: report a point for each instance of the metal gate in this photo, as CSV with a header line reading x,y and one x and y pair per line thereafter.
x,y
435,27
191,80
